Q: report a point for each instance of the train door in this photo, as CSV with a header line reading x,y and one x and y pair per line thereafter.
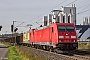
x,y
50,35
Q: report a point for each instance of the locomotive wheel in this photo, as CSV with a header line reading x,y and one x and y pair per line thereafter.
x,y
70,53
55,50
50,49
36,46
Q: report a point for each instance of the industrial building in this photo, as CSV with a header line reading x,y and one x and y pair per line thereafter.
x,y
65,15
68,15
86,20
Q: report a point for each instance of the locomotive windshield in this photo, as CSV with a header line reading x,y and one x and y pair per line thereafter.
x,y
65,28
61,28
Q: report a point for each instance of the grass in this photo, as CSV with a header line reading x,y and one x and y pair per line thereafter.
x,y
27,55
84,46
13,54
17,53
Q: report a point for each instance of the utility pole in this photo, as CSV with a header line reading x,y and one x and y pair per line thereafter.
x,y
14,29
14,40
14,32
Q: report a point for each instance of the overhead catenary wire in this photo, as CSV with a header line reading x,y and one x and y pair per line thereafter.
x,y
83,12
59,4
67,5
62,3
86,7
82,6
50,10
37,21
77,13
71,2
56,6
20,24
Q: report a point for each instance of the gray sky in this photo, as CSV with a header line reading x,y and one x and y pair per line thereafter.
x,y
30,11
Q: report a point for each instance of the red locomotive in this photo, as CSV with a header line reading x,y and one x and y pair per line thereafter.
x,y
60,36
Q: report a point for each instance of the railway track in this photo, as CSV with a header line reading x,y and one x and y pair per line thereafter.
x,y
82,54
55,56
82,57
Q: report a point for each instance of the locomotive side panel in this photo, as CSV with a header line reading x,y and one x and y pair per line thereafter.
x,y
42,36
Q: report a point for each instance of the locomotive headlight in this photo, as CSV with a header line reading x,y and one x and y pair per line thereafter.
x,y
61,36
73,40
60,40
73,36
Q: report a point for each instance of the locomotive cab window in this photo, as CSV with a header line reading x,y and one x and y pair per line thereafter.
x,y
61,28
65,29
69,29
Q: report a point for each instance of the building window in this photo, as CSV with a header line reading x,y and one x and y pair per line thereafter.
x,y
69,19
70,10
58,18
63,19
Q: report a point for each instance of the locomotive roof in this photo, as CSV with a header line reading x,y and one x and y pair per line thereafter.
x,y
52,25
63,24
